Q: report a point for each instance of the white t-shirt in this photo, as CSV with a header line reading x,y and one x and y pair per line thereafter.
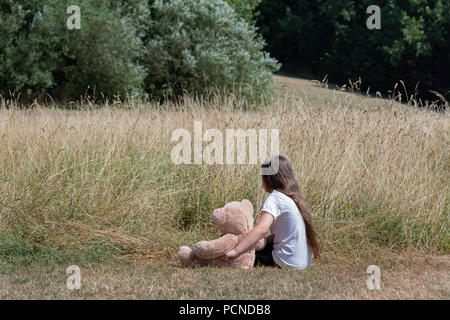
x,y
290,247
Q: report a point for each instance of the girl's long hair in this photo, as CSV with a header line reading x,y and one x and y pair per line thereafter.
x,y
284,181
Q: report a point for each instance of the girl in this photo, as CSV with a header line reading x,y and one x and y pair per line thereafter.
x,y
292,241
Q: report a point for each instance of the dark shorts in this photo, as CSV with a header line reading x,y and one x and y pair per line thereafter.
x,y
264,257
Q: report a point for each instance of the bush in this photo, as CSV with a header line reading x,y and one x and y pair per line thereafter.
x,y
122,49
199,45
41,55
245,8
21,68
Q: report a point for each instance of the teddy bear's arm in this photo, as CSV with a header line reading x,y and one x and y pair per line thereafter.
x,y
216,248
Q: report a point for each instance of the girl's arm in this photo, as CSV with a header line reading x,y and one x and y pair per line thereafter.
x,y
259,231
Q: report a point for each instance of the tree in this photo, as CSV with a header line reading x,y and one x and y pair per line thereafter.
x,y
331,37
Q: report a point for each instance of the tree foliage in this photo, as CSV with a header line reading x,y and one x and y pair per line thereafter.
x,y
39,55
331,37
147,48
198,45
245,8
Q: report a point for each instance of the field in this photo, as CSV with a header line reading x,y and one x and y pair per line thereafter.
x,y
96,187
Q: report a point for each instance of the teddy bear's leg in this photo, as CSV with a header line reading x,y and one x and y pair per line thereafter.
x,y
244,261
186,256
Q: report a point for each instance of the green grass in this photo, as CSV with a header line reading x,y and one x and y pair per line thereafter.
x,y
16,255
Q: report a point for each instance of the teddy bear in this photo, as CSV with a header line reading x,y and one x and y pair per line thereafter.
x,y
234,221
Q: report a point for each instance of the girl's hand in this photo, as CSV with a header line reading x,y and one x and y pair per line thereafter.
x,y
229,255
252,237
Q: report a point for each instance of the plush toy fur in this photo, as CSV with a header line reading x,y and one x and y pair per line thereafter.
x,y
234,220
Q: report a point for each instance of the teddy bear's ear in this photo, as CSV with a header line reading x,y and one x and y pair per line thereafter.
x,y
249,213
248,205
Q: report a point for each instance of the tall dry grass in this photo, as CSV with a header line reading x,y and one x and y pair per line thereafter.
x,y
375,173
